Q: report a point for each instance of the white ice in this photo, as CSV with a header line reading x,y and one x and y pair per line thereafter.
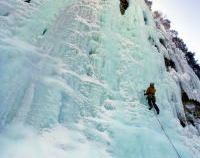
x,y
72,78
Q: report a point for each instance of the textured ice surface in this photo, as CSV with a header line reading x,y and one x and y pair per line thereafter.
x,y
72,79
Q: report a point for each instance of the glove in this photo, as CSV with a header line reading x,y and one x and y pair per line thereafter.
x,y
145,93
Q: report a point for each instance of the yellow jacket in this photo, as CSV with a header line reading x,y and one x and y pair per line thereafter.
x,y
150,90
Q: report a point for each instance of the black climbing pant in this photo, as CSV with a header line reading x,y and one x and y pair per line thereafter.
x,y
152,103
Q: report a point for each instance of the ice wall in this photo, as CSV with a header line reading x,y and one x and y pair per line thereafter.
x,y
72,79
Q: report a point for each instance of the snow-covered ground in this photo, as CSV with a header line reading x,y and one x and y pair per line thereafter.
x,y
73,75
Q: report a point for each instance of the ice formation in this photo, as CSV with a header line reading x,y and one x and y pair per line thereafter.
x,y
72,78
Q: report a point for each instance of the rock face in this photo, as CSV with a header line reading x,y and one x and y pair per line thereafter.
x,y
190,100
73,73
123,6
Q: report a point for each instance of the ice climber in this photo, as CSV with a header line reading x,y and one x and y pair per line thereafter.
x,y
150,92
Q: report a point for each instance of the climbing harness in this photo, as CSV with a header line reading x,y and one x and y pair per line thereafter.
x,y
179,156
167,137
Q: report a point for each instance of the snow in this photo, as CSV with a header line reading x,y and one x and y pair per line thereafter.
x,y
77,90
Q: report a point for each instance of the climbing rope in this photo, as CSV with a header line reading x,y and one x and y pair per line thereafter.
x,y
168,137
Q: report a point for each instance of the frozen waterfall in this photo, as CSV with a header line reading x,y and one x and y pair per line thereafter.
x,y
72,78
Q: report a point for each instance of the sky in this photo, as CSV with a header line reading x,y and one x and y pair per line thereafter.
x,y
185,18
